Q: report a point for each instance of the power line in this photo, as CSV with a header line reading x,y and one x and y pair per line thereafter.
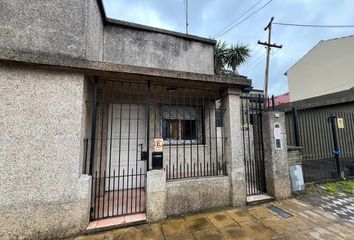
x,y
255,57
252,67
253,6
235,25
255,65
251,64
313,25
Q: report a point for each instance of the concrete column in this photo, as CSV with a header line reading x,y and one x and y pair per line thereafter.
x,y
233,146
276,156
155,195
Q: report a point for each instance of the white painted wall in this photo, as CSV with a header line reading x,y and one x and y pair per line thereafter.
x,y
327,68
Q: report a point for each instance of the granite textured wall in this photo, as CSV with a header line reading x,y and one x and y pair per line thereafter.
x,y
75,28
276,160
157,50
155,195
233,147
191,195
94,32
62,27
43,194
56,26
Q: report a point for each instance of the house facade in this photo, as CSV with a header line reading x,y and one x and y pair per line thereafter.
x,y
324,70
102,118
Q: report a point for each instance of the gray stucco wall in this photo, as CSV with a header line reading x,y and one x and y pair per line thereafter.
x,y
51,26
41,185
149,49
94,34
191,195
76,28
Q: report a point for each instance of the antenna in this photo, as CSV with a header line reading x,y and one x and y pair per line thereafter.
x,y
186,3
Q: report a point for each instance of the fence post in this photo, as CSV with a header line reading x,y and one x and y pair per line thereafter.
x,y
155,195
332,118
233,148
276,155
296,128
273,103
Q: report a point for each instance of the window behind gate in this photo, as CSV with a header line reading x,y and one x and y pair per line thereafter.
x,y
182,124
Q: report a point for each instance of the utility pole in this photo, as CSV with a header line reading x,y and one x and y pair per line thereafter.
x,y
186,1
269,46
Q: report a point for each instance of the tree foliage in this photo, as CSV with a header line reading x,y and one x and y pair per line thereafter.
x,y
227,58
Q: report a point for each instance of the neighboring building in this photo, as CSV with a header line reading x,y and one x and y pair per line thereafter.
x,y
281,99
326,69
90,105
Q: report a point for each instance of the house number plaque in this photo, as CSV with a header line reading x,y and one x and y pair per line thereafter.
x,y
158,144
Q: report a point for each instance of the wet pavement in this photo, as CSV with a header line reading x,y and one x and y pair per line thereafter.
x,y
341,204
251,222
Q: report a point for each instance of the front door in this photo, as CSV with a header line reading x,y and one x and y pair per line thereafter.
x,y
127,128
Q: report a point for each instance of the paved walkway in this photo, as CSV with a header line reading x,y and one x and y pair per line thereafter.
x,y
341,205
254,222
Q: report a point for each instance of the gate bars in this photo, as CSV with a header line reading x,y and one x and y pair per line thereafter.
x,y
125,117
118,138
252,107
192,129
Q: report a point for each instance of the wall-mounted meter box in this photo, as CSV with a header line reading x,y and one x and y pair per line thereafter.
x,y
277,136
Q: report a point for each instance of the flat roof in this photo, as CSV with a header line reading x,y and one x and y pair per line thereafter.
x,y
141,27
110,21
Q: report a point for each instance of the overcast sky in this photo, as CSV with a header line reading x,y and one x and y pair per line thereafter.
x,y
208,17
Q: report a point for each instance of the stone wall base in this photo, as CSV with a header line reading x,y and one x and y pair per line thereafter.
x,y
44,221
192,195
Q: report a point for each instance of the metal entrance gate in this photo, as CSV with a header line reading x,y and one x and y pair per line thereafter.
x,y
253,150
117,148
125,119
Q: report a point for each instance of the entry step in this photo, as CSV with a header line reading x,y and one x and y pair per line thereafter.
x,y
259,198
115,222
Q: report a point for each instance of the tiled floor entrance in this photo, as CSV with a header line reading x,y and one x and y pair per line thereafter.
x,y
118,203
255,222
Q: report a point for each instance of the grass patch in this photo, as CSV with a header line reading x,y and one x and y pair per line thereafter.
x,y
341,186
331,188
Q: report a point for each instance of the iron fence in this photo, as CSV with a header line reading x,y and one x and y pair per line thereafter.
x,y
126,118
312,130
193,134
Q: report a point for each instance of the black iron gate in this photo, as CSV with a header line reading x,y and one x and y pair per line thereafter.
x,y
252,107
117,148
125,119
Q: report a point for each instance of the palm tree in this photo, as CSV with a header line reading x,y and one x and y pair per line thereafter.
x,y
237,55
229,57
220,51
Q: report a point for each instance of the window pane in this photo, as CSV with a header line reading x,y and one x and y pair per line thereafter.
x,y
189,129
170,129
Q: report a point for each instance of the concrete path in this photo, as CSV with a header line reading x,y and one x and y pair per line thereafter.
x,y
253,222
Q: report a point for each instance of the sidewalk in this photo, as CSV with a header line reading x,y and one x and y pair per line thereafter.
x,y
252,222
